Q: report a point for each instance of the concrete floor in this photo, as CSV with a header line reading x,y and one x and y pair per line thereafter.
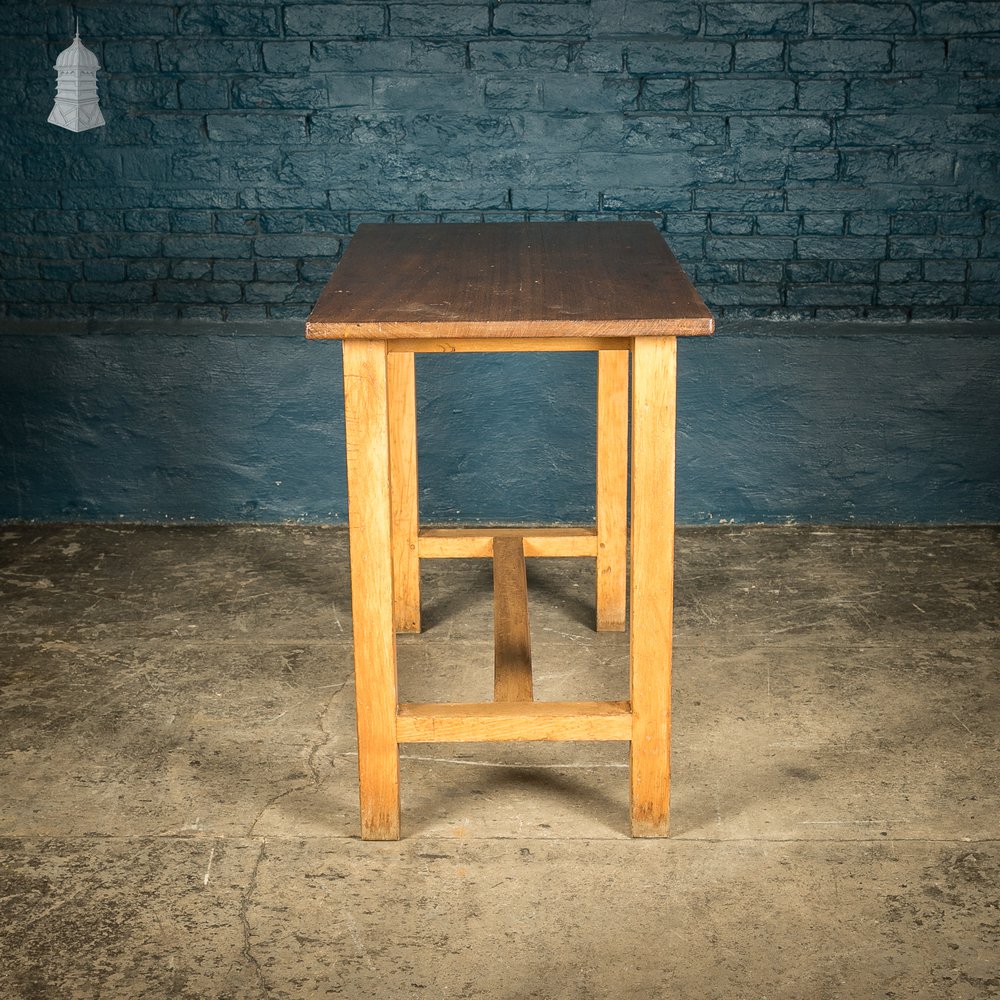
x,y
178,805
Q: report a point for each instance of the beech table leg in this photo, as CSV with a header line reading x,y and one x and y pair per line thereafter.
x,y
403,484
370,518
654,377
612,488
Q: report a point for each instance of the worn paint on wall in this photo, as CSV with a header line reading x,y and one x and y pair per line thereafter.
x,y
866,428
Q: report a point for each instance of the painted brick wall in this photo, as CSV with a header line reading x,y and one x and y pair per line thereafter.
x,y
805,159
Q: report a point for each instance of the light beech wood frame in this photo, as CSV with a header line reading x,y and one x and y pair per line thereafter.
x,y
387,545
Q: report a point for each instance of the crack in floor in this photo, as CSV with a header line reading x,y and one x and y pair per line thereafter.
x,y
247,950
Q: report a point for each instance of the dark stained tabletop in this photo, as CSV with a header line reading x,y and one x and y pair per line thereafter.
x,y
525,279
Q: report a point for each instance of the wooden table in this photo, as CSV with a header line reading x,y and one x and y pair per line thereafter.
x,y
610,287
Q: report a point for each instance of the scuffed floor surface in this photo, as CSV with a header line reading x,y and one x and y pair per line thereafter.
x,y
178,796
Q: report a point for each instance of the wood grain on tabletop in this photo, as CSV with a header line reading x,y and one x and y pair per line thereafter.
x,y
554,279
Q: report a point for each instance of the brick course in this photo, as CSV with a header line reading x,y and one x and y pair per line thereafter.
x,y
815,159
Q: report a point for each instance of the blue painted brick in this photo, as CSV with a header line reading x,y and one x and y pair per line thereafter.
x,y
753,19
961,17
785,132
974,53
612,17
533,19
672,132
189,197
209,57
829,295
205,93
301,245
961,225
388,55
32,291
750,248
686,223
812,166
682,56
823,222
743,95
130,57
822,95
187,221
288,93
233,270
198,291
845,18
807,270
918,56
188,270
57,271
293,196
279,129
512,93
21,19
565,92
840,247
276,270
783,224
176,129
984,270
50,221
883,130
738,199
742,294
91,221
439,20
510,53
934,247
147,270
903,92
269,291
22,220
226,247
112,291
714,271
145,220
441,92
922,167
868,224
286,56
334,20
195,165
980,93
914,224
664,95
840,56
770,272
945,270
142,92
760,57
731,225
921,293
984,295
596,56
127,19
244,20
898,271
853,270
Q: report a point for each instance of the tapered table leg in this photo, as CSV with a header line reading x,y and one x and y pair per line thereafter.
x,y
403,485
612,488
370,517
654,378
